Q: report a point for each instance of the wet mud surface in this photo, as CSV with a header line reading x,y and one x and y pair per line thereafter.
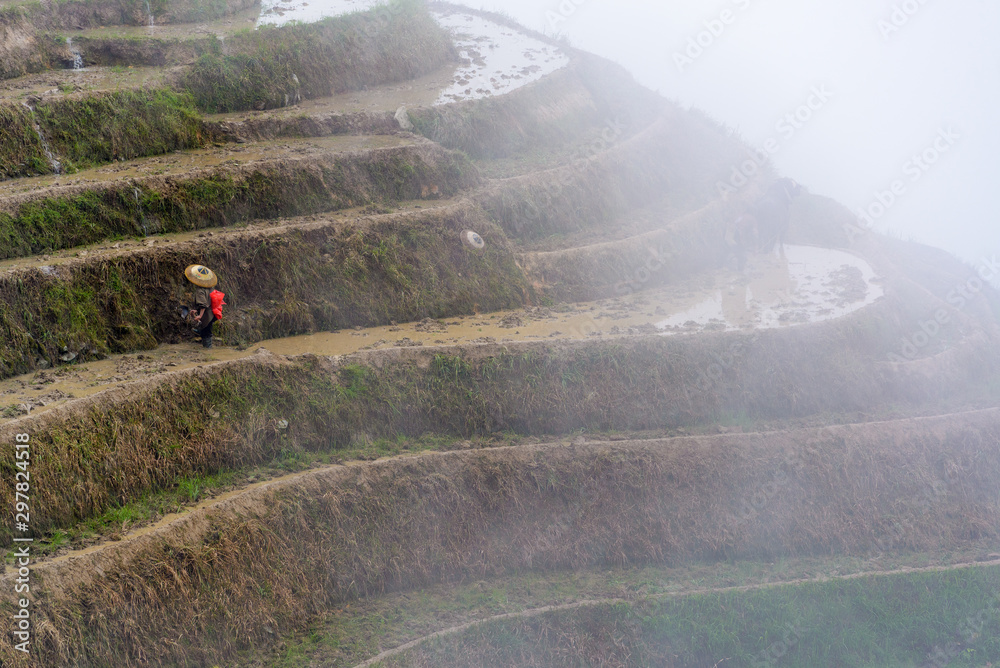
x,y
180,163
811,285
496,59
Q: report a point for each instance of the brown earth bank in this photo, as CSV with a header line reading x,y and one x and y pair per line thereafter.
x,y
160,431
79,14
231,576
279,281
21,50
224,186
677,153
589,92
674,249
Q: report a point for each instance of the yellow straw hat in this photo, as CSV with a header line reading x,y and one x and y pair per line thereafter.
x,y
201,276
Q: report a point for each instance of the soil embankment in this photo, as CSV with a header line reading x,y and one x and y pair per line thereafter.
x,y
414,521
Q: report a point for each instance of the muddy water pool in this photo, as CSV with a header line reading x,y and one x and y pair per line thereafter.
x,y
496,59
808,284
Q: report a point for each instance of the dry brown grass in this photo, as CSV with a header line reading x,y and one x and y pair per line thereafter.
x,y
683,246
159,432
217,581
680,152
588,93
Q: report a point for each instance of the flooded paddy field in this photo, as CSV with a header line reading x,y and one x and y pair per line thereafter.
x,y
776,293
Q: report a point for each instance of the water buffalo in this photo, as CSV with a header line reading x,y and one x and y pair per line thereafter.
x,y
741,236
765,222
773,214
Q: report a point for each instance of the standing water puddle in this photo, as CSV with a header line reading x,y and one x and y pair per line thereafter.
x,y
814,284
495,59
809,284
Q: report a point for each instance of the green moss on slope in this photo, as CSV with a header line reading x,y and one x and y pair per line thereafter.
x,y
269,67
120,125
20,146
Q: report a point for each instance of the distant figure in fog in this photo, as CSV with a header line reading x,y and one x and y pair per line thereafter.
x,y
773,214
765,222
742,236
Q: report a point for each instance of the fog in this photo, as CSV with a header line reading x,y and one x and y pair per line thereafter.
x,y
903,94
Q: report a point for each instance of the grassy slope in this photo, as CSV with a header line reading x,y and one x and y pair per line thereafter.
x,y
224,196
293,550
532,389
120,125
19,144
394,42
259,69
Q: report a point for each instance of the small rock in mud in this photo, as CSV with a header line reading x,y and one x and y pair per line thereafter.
x,y
430,325
9,412
510,321
406,342
850,285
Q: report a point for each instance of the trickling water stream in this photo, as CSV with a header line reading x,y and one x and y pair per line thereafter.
x,y
77,55
55,164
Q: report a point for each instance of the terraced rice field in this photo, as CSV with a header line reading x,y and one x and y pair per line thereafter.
x,y
590,440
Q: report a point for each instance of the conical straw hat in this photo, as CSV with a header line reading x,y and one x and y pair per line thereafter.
x,y
201,276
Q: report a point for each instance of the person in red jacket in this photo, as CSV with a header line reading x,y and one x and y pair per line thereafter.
x,y
204,279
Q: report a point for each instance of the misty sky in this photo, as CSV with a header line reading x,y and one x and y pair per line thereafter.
x,y
892,93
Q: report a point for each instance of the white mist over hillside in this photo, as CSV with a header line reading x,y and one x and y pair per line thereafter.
x,y
889,106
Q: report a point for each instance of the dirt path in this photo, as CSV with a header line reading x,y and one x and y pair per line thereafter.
x,y
247,496
673,309
187,163
590,603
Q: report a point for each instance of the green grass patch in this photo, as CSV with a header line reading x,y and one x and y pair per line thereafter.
x,y
20,145
950,618
120,125
271,67
222,197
